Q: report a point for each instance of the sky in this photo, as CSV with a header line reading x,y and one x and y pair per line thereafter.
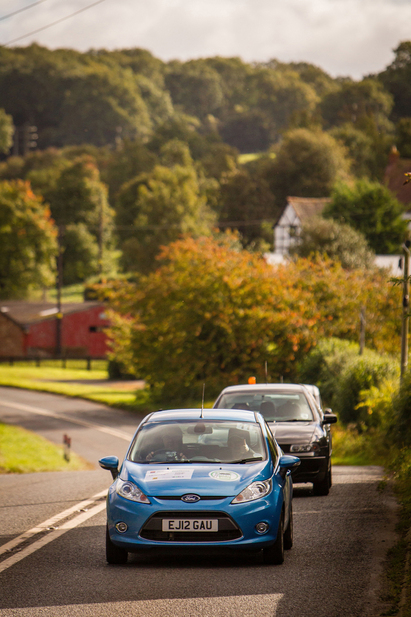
x,y
344,37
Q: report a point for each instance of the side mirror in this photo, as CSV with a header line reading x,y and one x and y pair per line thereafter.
x,y
287,462
111,464
329,418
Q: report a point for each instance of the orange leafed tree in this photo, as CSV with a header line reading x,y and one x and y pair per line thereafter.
x,y
214,314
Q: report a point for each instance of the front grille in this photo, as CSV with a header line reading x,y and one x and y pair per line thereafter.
x,y
227,528
178,497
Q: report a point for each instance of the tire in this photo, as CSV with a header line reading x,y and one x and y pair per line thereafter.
x,y
323,487
289,532
274,554
114,554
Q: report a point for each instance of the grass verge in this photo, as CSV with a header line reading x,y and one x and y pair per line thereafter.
x,y
24,452
74,380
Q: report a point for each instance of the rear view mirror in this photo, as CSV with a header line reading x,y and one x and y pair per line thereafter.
x,y
329,418
288,462
111,464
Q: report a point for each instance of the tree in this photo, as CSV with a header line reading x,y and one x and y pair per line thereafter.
x,y
78,203
403,137
211,313
157,207
365,104
195,88
27,241
6,131
335,240
360,150
248,205
307,164
370,208
397,80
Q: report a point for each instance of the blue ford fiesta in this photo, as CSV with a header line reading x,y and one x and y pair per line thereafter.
x,y
201,478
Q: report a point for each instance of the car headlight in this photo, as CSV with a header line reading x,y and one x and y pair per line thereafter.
x,y
256,490
130,491
307,447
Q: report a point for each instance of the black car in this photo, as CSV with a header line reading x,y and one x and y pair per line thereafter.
x,y
300,427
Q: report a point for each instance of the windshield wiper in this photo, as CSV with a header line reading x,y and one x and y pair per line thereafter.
x,y
248,460
293,420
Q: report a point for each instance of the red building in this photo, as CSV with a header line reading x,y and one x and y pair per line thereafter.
x,y
32,329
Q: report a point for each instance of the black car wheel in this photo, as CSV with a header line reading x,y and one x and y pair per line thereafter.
x,y
289,532
274,554
114,554
323,486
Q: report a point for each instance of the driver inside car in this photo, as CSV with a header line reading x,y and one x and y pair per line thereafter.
x,y
173,448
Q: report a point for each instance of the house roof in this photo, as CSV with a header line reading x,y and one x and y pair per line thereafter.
x,y
394,177
307,207
25,313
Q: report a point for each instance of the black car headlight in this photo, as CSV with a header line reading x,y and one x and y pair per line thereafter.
x,y
255,490
314,446
130,491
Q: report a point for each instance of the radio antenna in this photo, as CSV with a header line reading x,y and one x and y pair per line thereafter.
x,y
266,372
202,402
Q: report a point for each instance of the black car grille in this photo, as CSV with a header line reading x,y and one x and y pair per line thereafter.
x,y
178,497
227,529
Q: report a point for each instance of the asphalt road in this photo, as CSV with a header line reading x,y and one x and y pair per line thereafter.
x,y
52,526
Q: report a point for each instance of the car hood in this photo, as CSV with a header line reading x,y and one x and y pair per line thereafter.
x,y
295,432
211,480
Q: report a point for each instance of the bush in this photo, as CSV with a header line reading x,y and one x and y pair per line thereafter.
x,y
325,363
401,418
359,375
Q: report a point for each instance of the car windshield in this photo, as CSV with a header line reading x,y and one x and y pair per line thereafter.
x,y
202,441
274,406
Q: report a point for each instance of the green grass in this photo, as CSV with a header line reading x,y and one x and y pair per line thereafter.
x,y
353,448
24,452
70,293
51,377
243,159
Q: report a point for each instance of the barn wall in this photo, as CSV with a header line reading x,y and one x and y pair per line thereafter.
x,y
11,338
82,334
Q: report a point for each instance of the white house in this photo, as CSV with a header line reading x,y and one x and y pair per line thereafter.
x,y
288,227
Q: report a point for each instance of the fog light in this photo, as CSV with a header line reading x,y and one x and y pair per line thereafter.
x,y
121,527
262,527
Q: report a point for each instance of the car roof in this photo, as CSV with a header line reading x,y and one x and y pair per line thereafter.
x,y
236,415
312,388
273,387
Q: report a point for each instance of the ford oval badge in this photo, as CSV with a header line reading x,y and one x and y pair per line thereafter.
x,y
190,498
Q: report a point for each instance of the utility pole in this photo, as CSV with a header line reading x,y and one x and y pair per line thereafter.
x,y
405,308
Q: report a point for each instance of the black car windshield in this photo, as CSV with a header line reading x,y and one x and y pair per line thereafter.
x,y
274,406
202,441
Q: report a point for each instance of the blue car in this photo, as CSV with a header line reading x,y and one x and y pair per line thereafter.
x,y
197,478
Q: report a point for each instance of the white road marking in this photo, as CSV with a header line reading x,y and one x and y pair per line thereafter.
x,y
51,522
60,416
220,606
52,535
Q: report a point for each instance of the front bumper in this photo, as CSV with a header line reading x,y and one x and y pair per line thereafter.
x,y
237,523
311,468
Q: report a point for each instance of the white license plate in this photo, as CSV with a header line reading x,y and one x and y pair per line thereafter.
x,y
189,524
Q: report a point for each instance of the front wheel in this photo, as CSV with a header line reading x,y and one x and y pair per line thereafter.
x,y
274,554
323,487
114,554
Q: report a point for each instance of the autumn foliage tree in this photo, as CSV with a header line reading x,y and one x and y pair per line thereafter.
x,y
212,313
27,240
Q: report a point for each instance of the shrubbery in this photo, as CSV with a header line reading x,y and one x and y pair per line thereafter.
x,y
351,383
